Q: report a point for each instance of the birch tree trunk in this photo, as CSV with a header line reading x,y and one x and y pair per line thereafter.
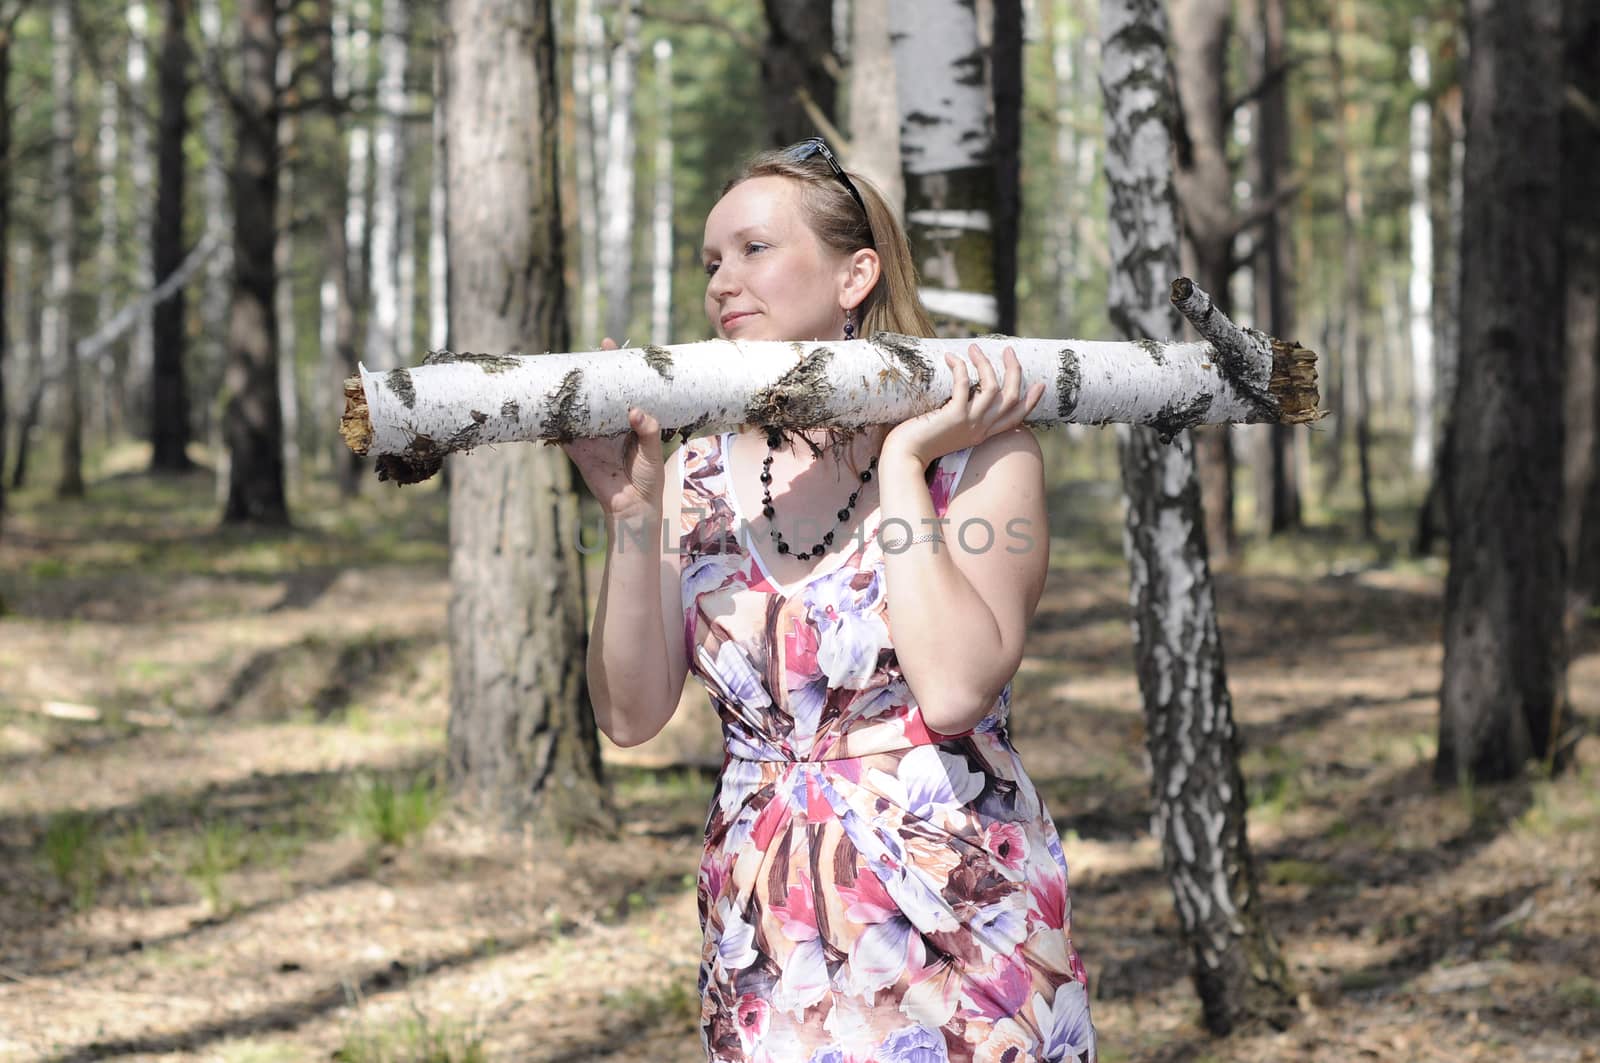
x,y
1419,291
522,737
169,398
1199,792
874,105
586,134
283,257
358,211
219,270
30,357
1203,180
1580,160
253,421
616,250
661,216
1274,261
438,222
948,153
793,57
63,248
383,308
111,396
1504,646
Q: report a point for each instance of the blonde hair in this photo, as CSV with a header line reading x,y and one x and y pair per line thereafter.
x,y
832,213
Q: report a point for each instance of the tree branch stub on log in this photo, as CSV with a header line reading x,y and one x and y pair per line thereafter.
x,y
411,418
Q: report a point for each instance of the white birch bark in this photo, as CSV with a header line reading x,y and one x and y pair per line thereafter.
x,y
283,257
616,250
106,258
1420,292
438,225
405,319
141,350
661,216
874,102
945,136
588,132
454,402
353,73
382,348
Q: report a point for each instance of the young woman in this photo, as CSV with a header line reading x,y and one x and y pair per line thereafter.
x,y
880,881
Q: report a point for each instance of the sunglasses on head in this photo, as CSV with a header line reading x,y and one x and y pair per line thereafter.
x,y
817,146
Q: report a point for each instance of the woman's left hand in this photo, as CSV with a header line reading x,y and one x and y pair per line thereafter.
x,y
968,417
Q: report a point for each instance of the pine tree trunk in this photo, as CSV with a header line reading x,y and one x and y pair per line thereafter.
x,y
1504,647
5,245
661,215
1199,791
253,421
169,397
1580,161
522,736
63,248
140,364
949,149
30,358
1204,182
283,257
1274,286
874,107
217,295
616,252
383,308
799,36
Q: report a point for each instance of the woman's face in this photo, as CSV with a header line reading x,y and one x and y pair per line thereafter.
x,y
768,277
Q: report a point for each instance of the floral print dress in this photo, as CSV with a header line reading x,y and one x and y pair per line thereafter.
x,y
871,891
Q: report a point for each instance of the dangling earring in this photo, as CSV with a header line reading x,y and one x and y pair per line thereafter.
x,y
849,326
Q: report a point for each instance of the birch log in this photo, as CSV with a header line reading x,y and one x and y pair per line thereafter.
x,y
411,418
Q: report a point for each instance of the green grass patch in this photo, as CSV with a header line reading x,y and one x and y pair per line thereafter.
x,y
1275,780
73,851
675,1004
1293,872
392,812
413,1040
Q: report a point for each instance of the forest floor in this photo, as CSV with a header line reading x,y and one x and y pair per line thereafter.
x,y
222,836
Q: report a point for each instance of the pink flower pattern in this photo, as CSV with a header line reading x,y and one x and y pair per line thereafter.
x,y
871,891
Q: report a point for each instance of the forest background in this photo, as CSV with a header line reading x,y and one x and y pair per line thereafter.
x,y
244,811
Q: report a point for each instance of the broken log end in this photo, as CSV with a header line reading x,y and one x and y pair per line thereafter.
x,y
1294,383
355,426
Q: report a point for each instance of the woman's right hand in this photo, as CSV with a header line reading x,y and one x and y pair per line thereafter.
x,y
625,472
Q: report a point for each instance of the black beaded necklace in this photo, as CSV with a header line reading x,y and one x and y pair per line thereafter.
x,y
773,439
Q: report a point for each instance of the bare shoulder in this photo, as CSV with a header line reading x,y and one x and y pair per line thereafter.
x,y
1009,463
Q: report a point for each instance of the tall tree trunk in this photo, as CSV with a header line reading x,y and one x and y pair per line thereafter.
x,y
1204,182
103,370
5,244
1199,791
219,269
874,107
253,421
1274,285
356,70
1580,160
587,133
1354,331
1504,647
283,254
799,44
522,738
140,364
169,396
1420,289
616,253
58,338
438,221
338,298
661,216
30,358
383,309
949,155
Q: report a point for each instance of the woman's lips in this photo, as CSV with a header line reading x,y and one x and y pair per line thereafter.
x,y
729,320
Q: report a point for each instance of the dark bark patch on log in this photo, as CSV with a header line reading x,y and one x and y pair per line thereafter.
x,y
659,359
1174,418
489,363
1157,353
420,460
569,414
1069,381
797,399
511,410
399,382
905,352
466,437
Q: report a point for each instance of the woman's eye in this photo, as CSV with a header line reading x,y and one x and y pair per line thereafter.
x,y
711,267
752,247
